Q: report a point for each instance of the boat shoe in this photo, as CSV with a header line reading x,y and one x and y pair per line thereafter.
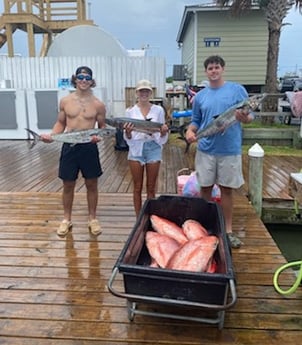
x,y
64,227
94,227
234,240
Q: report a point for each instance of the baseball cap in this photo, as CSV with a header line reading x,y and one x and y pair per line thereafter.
x,y
84,69
144,85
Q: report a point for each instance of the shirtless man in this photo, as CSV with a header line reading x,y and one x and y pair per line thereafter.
x,y
78,111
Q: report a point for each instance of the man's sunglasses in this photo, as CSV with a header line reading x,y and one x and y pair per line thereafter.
x,y
84,77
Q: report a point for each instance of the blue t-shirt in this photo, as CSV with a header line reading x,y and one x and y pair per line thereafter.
x,y
210,102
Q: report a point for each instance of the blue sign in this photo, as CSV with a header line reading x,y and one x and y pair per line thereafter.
x,y
212,41
64,83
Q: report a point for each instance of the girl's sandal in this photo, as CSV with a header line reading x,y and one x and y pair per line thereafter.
x,y
234,240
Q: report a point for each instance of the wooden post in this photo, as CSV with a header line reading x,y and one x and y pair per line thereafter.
x,y
256,154
9,36
31,40
181,108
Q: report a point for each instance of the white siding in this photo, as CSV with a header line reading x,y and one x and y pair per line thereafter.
x,y
243,44
25,77
114,74
188,51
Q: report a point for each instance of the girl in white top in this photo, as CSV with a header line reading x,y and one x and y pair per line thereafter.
x,y
145,150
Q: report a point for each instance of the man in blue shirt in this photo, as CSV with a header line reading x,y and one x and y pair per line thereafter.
x,y
218,157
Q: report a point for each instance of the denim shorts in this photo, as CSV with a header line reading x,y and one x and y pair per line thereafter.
x,y
152,152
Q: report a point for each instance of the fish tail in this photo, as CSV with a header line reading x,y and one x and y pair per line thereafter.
x,y
182,131
36,137
187,146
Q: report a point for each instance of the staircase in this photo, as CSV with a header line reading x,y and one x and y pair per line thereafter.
x,y
46,17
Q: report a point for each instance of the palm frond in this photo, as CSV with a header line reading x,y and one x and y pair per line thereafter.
x,y
237,7
299,5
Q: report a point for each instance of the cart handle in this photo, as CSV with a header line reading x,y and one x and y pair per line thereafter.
x,y
172,302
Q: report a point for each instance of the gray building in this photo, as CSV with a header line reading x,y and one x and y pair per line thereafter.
x,y
242,41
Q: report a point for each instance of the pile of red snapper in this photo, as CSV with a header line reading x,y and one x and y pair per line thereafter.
x,y
188,248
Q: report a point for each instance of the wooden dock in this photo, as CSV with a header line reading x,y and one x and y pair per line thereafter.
x,y
54,290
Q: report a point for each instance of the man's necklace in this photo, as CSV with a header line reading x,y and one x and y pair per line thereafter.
x,y
83,103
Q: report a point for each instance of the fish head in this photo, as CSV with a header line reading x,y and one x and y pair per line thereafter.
x,y
256,100
110,122
114,123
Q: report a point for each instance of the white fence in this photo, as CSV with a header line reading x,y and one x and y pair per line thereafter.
x,y
29,84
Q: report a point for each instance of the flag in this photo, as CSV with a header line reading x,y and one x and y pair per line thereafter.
x,y
190,94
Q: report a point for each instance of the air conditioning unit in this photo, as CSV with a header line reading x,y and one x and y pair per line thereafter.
x,y
180,72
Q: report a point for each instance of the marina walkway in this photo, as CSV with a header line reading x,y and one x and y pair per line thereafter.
x,y
35,170
54,290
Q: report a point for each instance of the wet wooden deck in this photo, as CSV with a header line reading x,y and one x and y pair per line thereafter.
x,y
35,170
54,291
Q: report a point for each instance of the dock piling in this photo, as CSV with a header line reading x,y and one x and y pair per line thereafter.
x,y
256,154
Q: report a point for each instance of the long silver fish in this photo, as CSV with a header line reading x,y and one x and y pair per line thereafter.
x,y
143,126
75,137
228,118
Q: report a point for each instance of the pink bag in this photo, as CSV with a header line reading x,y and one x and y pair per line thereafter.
x,y
182,177
192,187
187,185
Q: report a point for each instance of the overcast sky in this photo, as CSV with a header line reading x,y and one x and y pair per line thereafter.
x,y
155,24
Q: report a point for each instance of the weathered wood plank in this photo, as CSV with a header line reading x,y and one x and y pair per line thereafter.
x,y
35,169
54,290
47,282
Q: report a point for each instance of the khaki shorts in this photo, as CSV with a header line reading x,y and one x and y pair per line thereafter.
x,y
222,170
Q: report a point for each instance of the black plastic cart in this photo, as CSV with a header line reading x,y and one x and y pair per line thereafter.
x,y
195,296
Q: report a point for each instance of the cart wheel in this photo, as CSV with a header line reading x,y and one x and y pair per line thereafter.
x,y
287,120
221,317
131,306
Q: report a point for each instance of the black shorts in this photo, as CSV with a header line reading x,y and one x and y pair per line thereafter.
x,y
79,157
